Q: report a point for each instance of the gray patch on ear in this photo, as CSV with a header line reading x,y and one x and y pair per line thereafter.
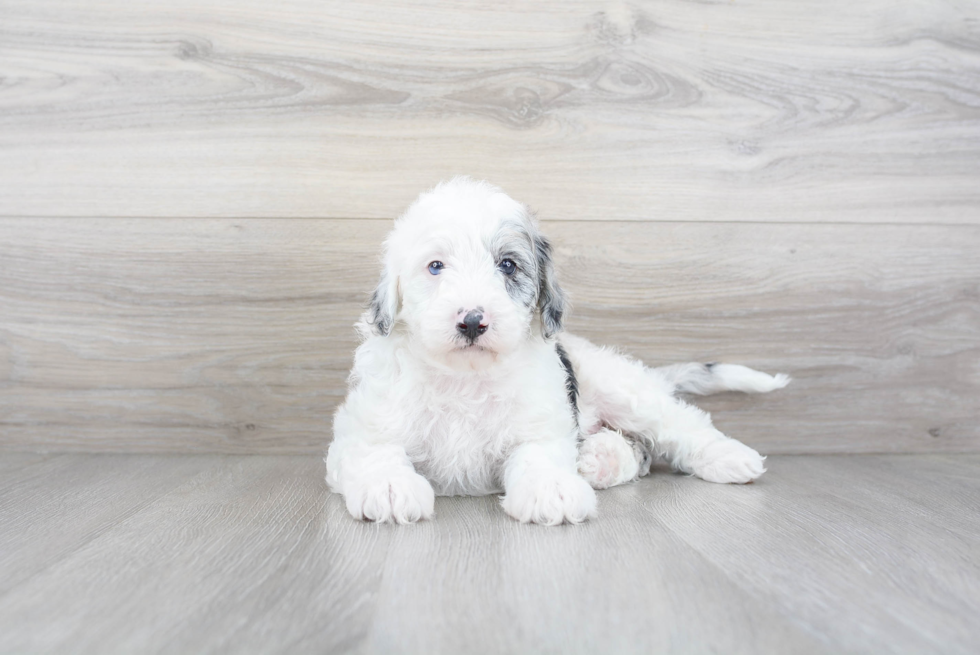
x,y
384,305
551,298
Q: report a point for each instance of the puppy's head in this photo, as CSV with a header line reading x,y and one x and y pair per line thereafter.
x,y
467,276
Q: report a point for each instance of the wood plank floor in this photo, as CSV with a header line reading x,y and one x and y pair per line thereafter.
x,y
224,553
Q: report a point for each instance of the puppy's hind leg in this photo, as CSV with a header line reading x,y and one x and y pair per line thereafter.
x,y
622,394
608,458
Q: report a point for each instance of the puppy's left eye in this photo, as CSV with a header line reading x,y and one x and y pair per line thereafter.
x,y
507,266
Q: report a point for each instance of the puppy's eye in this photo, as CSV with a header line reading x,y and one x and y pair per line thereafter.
x,y
436,267
507,266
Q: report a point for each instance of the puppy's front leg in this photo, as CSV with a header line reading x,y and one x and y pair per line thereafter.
x,y
543,486
379,482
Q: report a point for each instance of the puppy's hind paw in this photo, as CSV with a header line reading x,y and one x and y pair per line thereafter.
x,y
605,459
728,461
401,498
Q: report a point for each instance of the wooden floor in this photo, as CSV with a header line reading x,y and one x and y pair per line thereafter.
x,y
226,553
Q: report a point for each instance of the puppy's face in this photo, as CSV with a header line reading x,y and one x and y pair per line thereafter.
x,y
467,276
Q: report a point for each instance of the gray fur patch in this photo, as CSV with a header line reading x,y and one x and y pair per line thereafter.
x,y
643,452
384,305
533,283
571,382
513,242
551,298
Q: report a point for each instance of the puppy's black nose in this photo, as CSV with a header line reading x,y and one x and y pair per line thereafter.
x,y
472,326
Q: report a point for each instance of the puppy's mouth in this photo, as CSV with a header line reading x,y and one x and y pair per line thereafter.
x,y
471,347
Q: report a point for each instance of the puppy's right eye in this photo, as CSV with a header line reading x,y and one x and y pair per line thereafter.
x,y
436,267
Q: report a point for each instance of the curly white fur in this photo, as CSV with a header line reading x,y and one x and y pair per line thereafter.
x,y
459,386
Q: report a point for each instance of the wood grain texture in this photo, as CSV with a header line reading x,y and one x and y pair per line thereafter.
x,y
815,110
235,335
842,553
824,554
622,586
83,501
206,567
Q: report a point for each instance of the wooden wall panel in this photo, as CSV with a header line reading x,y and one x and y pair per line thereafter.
x,y
234,335
816,110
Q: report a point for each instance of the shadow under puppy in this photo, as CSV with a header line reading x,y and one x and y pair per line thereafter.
x,y
465,384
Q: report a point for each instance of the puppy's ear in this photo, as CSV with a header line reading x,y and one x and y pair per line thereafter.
x,y
384,304
551,298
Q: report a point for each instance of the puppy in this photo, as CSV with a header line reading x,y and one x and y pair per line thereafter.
x,y
465,384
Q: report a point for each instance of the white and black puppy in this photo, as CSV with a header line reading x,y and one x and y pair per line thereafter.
x,y
465,384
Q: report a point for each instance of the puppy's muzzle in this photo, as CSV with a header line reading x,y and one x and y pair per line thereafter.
x,y
472,325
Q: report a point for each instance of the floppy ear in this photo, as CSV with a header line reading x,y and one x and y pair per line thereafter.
x,y
551,299
384,304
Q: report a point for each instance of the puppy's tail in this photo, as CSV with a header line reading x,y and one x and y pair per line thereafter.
x,y
706,379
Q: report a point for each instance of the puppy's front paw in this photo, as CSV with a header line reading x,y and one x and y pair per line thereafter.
x,y
605,459
401,498
550,498
728,461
